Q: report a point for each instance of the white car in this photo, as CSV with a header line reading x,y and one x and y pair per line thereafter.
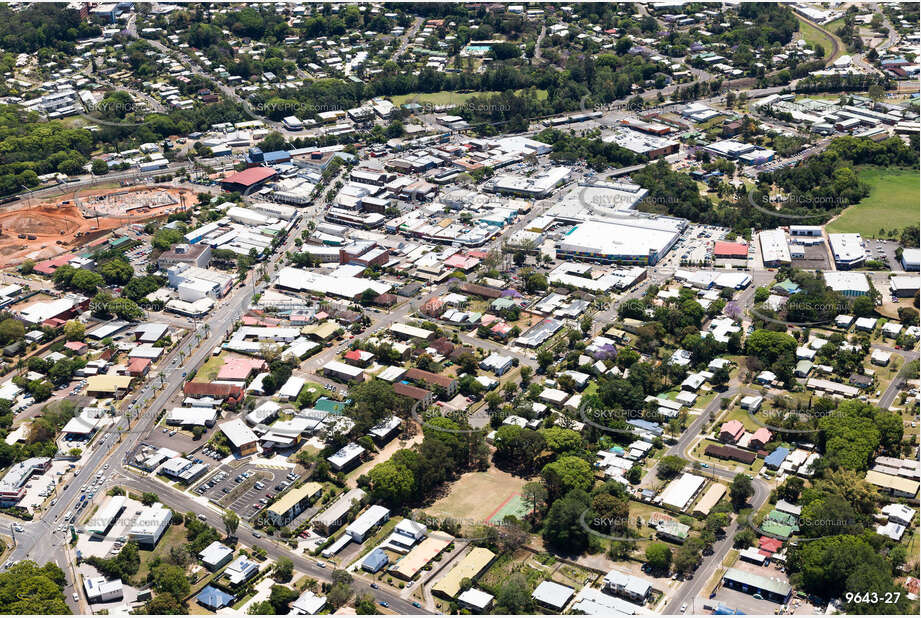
x,y
684,607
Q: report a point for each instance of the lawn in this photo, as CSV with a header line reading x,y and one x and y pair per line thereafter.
x,y
447,97
506,566
738,414
208,371
892,203
175,536
815,36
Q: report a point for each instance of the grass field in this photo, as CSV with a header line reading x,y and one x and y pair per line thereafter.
x,y
813,35
175,536
446,97
892,203
477,495
208,371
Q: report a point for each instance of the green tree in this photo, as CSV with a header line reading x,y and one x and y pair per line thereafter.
x,y
231,522
514,597
567,473
563,527
284,569
740,491
170,579
74,330
670,466
11,330
658,557
391,483
86,281
26,588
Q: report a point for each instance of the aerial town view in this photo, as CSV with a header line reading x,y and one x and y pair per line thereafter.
x,y
477,308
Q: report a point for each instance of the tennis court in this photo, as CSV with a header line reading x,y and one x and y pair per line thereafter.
x,y
513,506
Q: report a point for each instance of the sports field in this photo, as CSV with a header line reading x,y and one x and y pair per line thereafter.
x,y
448,97
892,203
813,35
478,496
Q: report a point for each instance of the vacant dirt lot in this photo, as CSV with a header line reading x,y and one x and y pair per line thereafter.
x,y
476,496
42,230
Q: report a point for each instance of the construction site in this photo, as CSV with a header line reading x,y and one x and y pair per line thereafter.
x,y
42,230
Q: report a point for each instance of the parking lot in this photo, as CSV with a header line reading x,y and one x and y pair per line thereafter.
x,y
178,440
883,250
816,258
246,490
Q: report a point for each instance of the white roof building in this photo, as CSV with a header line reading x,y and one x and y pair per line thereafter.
x,y
682,490
150,525
847,282
238,433
774,247
553,595
192,416
364,523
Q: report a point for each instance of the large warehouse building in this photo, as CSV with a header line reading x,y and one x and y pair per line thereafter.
x,y
848,250
623,241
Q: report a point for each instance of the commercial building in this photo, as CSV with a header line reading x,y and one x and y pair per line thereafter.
x,y
847,283
774,248
682,490
769,588
241,437
904,286
183,253
730,250
102,590
374,516
629,241
911,259
470,567
335,515
247,179
291,504
538,186
102,521
847,249
150,526
12,487
346,458
651,146
190,417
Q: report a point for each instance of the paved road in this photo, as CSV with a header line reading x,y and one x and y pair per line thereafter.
x,y
888,397
184,503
